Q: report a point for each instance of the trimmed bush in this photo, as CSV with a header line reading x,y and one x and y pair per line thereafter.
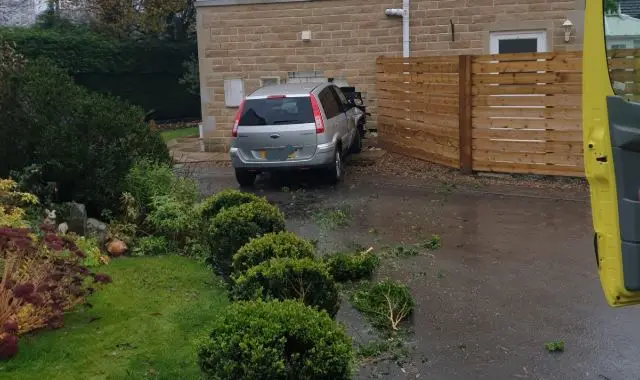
x,y
285,278
235,226
385,304
269,246
352,267
277,341
211,206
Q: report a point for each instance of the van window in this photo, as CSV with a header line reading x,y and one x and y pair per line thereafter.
x,y
329,103
622,33
277,111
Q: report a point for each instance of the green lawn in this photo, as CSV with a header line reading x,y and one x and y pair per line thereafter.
x,y
177,133
142,326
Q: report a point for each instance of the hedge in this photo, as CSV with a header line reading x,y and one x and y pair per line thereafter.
x,y
211,206
352,267
276,341
284,278
84,142
145,72
234,227
269,246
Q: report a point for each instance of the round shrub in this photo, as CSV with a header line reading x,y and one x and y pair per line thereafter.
x,y
285,278
211,206
354,267
275,340
269,246
235,226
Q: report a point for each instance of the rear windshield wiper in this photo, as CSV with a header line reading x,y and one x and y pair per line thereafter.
x,y
287,122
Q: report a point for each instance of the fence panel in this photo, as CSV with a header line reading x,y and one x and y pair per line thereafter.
x,y
526,113
624,71
418,107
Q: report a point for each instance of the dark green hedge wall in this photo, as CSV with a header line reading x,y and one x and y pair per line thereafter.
x,y
144,72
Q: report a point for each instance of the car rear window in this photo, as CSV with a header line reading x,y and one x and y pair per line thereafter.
x,y
277,111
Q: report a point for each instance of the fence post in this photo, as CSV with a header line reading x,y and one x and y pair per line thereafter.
x,y
464,116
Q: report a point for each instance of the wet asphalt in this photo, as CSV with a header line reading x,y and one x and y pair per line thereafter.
x,y
516,270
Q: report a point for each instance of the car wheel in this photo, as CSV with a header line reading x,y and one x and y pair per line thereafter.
x,y
356,145
245,178
334,172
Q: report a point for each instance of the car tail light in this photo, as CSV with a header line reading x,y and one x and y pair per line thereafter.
x,y
234,131
276,97
317,115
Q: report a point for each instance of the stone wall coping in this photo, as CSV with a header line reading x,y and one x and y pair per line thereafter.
x,y
220,3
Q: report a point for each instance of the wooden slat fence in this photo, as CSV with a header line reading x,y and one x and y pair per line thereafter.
x,y
418,107
624,70
526,113
513,113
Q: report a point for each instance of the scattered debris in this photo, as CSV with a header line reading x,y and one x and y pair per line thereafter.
x,y
330,219
386,304
555,346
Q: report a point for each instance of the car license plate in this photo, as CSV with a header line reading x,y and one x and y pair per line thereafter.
x,y
263,154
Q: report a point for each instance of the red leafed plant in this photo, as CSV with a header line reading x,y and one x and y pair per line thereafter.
x,y
42,277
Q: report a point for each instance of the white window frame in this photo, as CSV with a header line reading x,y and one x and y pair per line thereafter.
x,y
539,35
262,79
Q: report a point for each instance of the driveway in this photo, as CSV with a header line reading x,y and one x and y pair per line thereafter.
x,y
516,270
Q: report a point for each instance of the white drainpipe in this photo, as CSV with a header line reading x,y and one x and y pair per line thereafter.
x,y
404,13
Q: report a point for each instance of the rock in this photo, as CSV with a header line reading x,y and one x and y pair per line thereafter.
x,y
63,228
77,220
116,248
96,229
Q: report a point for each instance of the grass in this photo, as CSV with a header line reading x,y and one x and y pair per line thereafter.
x,y
144,325
178,133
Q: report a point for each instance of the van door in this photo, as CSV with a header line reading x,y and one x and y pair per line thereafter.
x,y
611,131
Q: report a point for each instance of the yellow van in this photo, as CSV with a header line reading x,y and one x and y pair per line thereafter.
x,y
611,131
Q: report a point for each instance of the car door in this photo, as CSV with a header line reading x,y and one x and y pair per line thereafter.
x,y
349,124
611,133
333,114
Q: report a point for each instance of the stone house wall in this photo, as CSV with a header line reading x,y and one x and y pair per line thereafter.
x,y
250,39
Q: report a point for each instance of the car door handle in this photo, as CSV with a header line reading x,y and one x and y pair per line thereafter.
x,y
275,136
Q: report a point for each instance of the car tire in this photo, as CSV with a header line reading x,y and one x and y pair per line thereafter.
x,y
334,172
356,145
245,178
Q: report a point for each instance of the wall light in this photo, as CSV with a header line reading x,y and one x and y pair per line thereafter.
x,y
568,26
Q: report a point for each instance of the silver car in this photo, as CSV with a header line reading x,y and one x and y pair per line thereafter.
x,y
294,127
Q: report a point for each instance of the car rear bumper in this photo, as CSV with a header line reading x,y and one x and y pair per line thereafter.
x,y
323,157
